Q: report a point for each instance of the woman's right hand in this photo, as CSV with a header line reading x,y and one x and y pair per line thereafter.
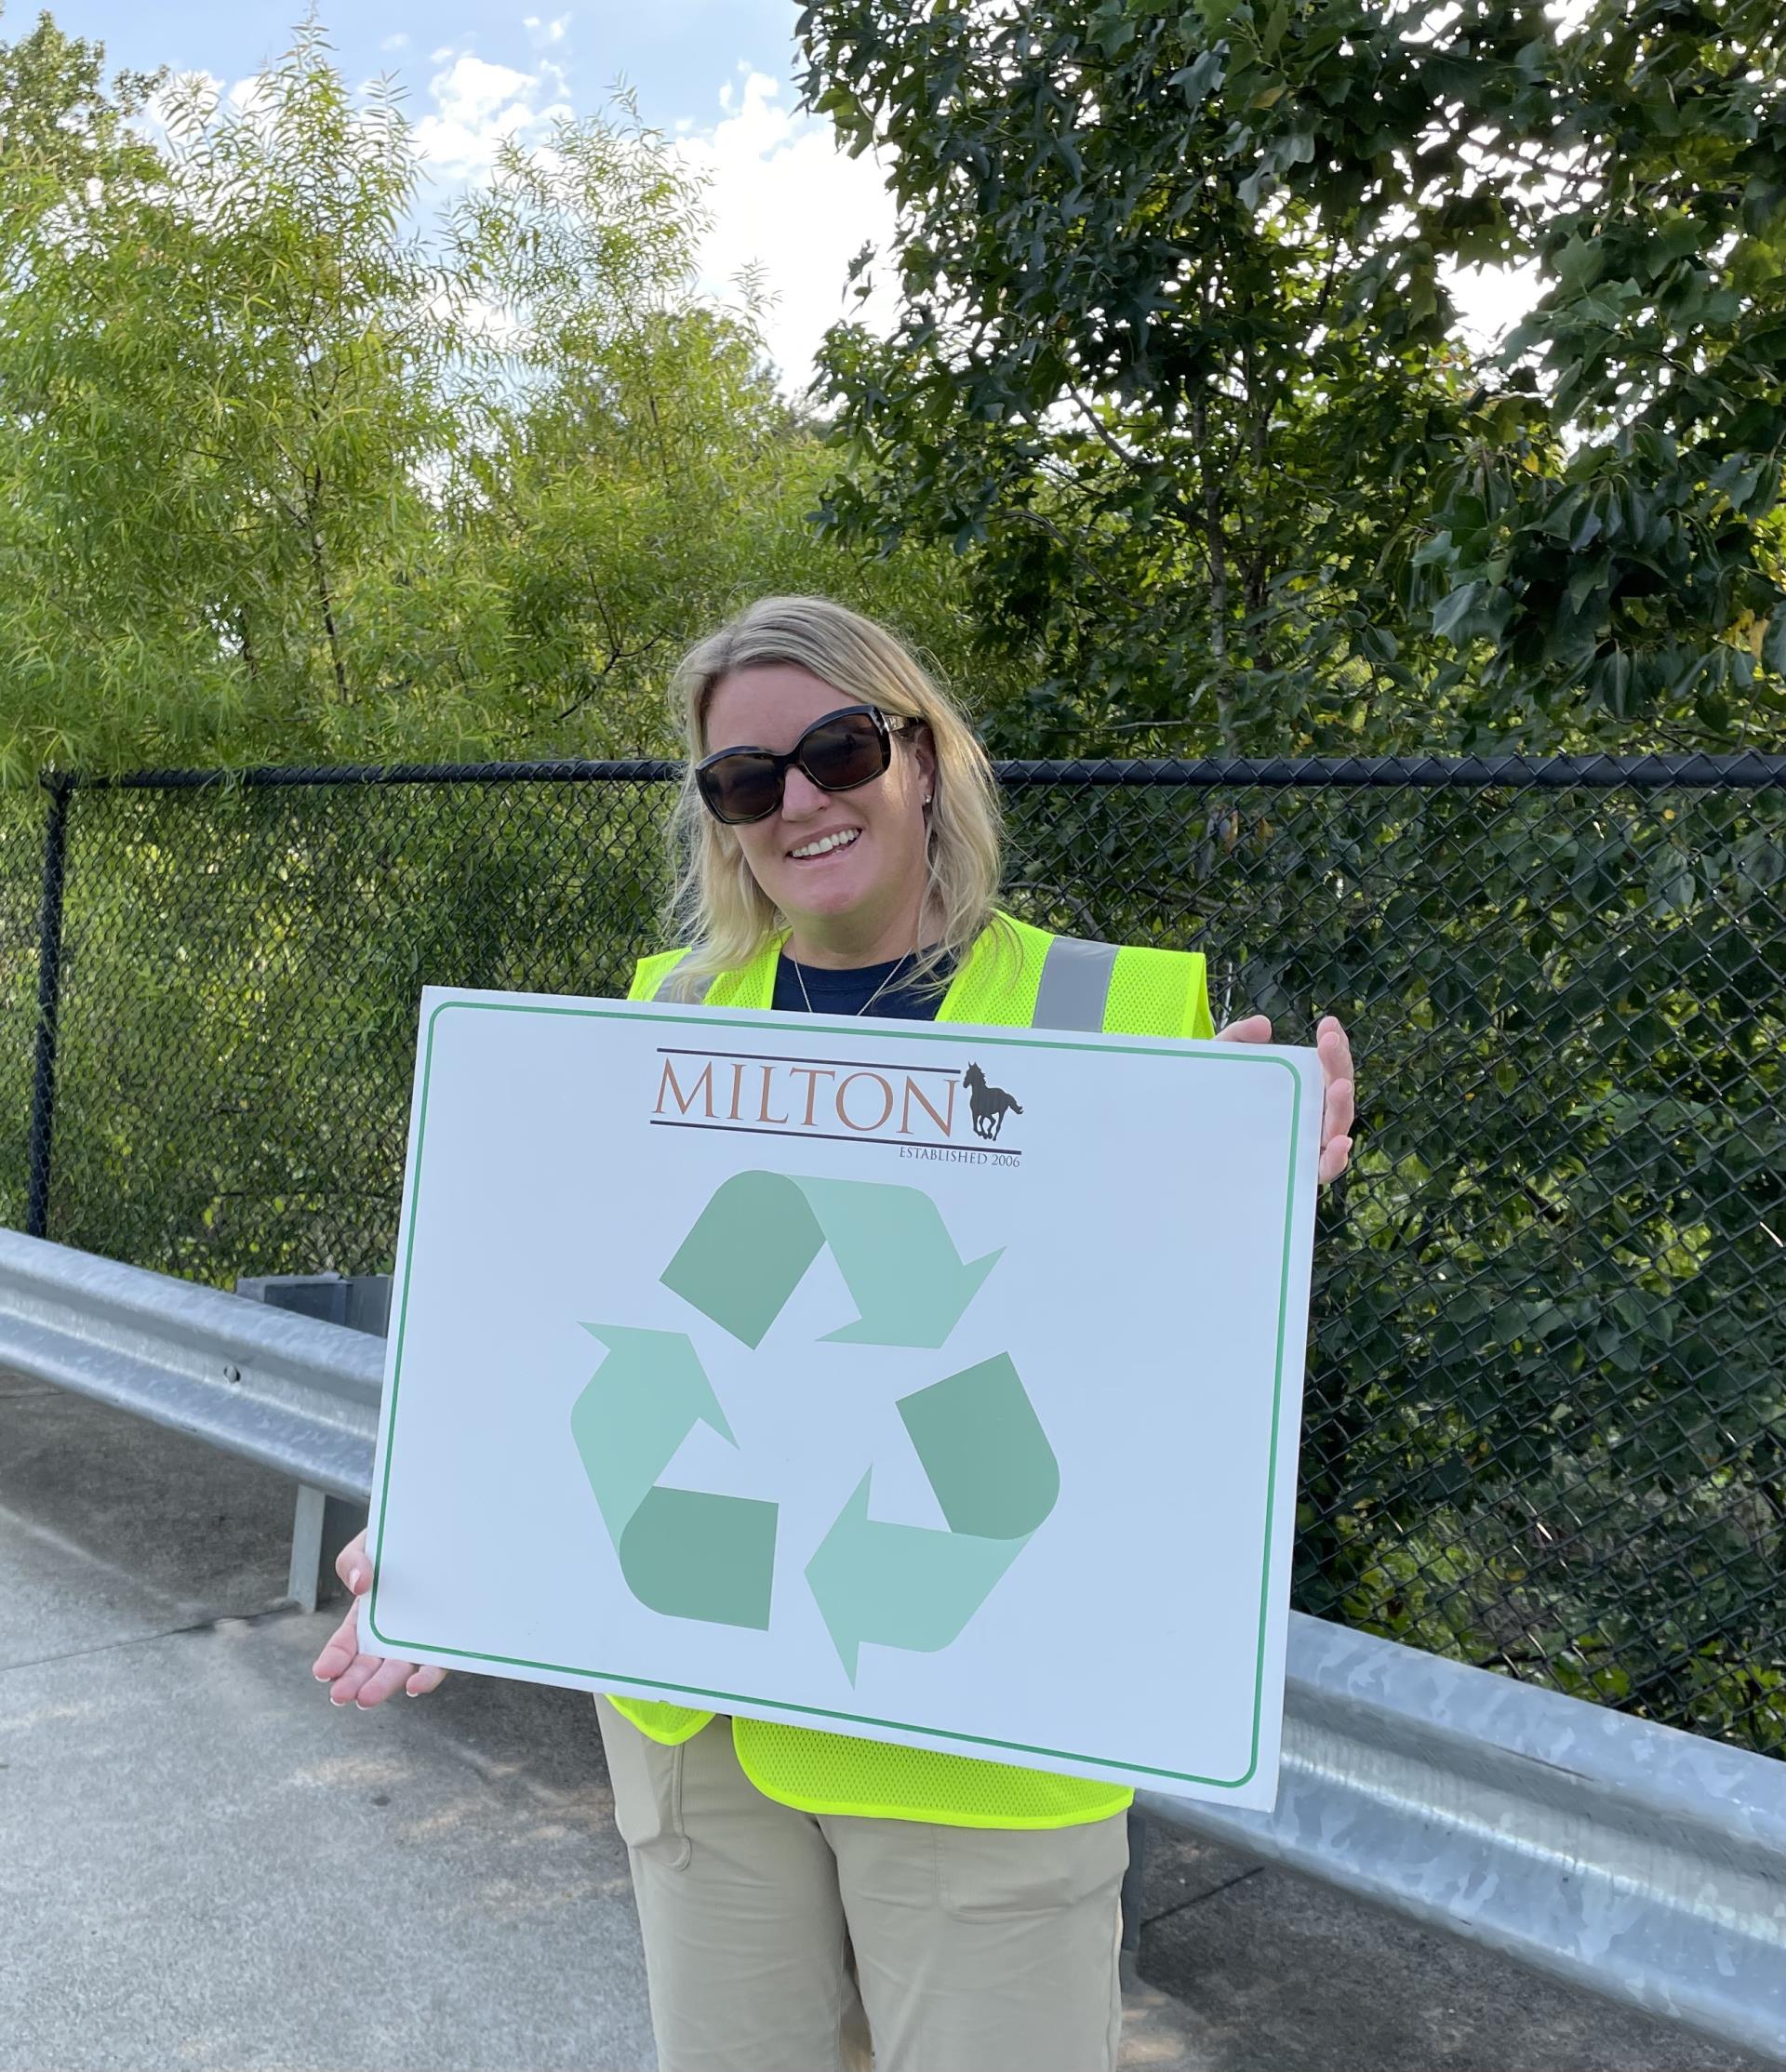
x,y
354,1677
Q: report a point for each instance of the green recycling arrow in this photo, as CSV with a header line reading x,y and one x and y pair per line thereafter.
x,y
683,1551
995,1478
753,1242
696,1556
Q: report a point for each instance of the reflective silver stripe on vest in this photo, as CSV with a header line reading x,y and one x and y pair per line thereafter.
x,y
1075,984
684,1000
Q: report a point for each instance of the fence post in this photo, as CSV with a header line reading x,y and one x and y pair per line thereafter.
x,y
50,987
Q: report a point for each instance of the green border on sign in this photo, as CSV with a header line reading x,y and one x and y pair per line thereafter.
x,y
911,1032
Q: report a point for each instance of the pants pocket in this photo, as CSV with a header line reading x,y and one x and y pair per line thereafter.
x,y
1006,1873
646,1781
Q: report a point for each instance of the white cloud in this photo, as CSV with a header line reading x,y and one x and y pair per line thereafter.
x,y
785,197
399,42
477,105
546,31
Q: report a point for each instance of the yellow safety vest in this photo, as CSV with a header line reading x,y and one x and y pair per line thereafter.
x,y
1015,976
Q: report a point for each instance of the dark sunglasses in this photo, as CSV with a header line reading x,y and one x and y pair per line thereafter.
x,y
847,748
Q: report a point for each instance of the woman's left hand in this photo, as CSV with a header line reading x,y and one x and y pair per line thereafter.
x,y
1335,1053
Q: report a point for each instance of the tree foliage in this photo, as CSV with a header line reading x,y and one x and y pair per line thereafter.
x,y
1178,366
58,125
287,476
226,370
641,476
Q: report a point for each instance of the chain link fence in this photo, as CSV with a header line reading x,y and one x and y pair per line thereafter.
x,y
1546,1410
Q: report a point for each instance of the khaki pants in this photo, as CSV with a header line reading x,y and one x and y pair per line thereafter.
x,y
974,1949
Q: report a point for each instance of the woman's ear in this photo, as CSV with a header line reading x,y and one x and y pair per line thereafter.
x,y
924,749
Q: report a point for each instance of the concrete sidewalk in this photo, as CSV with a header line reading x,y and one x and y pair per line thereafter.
x,y
204,1865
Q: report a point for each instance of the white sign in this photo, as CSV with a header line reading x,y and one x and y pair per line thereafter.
x,y
926,1382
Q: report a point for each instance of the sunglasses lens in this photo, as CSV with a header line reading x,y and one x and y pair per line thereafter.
x,y
742,787
841,754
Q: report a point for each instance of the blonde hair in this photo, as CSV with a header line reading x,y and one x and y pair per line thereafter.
x,y
717,906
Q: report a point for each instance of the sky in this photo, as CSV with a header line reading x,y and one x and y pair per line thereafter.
x,y
716,74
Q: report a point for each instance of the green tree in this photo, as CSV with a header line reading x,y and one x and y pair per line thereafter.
x,y
1176,366
646,475
223,381
58,127
283,477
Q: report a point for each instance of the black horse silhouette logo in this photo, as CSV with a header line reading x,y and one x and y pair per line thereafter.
x,y
990,1104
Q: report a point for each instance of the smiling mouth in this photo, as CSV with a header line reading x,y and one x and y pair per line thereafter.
x,y
826,844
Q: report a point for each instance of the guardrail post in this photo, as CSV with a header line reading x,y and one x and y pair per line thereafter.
x,y
320,1525
49,978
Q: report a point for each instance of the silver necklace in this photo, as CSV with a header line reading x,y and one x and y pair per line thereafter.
x,y
800,977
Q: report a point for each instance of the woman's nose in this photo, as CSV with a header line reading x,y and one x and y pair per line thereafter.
x,y
800,796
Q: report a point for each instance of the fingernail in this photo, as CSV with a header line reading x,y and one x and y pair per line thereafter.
x,y
334,1700
353,1581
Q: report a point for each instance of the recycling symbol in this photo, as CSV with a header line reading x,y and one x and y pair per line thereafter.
x,y
692,1554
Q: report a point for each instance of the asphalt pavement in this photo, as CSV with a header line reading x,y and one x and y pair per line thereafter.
x,y
203,1864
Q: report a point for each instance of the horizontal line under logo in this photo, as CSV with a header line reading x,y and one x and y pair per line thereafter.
x,y
926,1145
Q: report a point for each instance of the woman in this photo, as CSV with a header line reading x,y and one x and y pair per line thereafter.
x,y
796,1889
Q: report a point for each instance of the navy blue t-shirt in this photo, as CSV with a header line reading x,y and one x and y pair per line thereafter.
x,y
848,992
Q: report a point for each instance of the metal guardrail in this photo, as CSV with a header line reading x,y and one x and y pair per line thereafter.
x,y
1644,1863
274,1387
